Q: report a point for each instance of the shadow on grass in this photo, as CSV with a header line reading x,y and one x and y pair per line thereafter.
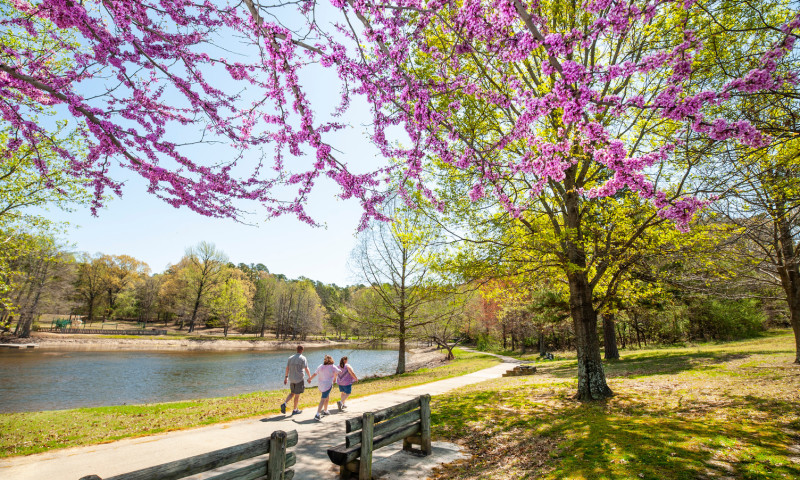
x,y
653,364
616,439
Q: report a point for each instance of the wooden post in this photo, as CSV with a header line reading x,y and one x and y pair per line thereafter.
x,y
277,455
407,446
365,466
425,423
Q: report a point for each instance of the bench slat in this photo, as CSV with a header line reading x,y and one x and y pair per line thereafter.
x,y
199,463
355,423
255,469
352,439
210,461
341,454
291,439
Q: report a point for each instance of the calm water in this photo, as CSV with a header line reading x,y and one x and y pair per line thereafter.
x,y
40,379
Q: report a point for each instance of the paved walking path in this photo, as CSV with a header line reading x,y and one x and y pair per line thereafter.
x,y
314,439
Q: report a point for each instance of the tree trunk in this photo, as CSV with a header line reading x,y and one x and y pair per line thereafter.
x,y
194,313
789,272
610,337
796,328
401,349
542,350
591,377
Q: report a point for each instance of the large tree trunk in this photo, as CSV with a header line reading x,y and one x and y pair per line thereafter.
x,y
789,271
610,337
591,377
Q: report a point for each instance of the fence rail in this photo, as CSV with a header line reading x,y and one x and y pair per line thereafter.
x,y
104,331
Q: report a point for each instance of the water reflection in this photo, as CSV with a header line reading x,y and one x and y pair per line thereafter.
x,y
33,380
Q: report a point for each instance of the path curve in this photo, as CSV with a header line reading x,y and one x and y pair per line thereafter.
x,y
314,438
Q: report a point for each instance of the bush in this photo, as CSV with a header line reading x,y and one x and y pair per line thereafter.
x,y
727,319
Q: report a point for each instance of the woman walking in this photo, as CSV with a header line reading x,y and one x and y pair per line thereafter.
x,y
327,373
345,380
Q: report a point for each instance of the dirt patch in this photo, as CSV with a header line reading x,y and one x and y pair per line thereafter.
x,y
513,455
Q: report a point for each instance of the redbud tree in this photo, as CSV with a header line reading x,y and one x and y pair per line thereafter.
x,y
542,104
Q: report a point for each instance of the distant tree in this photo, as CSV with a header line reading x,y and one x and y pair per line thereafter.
x,y
203,272
298,310
40,271
230,300
448,321
147,297
120,272
263,310
90,283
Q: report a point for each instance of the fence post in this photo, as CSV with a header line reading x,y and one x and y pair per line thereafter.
x,y
365,465
277,455
425,423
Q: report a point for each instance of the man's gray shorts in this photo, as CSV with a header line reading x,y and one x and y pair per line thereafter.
x,y
298,387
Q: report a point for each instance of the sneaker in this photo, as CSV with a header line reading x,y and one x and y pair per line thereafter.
x,y
325,413
283,408
339,404
344,407
297,412
317,418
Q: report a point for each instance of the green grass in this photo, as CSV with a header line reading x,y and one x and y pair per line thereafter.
x,y
722,410
34,432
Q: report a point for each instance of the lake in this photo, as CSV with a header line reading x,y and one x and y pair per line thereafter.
x,y
42,379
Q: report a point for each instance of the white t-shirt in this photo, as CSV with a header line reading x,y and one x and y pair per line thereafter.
x,y
326,374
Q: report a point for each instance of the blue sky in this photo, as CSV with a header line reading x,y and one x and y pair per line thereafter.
x,y
141,225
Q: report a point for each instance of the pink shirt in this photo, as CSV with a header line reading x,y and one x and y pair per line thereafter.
x,y
326,374
345,378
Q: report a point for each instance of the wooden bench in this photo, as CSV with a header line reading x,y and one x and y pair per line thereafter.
x,y
409,421
207,466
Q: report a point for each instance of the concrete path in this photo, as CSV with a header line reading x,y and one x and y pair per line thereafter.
x,y
314,439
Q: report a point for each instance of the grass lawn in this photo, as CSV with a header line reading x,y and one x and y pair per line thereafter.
x,y
33,432
726,410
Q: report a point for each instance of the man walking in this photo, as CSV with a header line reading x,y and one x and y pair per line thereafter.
x,y
294,377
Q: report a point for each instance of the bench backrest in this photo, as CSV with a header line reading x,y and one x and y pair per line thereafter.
x,y
273,469
392,418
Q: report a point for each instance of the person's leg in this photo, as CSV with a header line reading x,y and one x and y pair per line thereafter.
x,y
344,397
296,400
288,397
327,399
321,403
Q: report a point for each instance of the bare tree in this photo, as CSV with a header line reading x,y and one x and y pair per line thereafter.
x,y
392,259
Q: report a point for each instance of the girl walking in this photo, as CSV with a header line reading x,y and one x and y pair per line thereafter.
x,y
345,381
327,373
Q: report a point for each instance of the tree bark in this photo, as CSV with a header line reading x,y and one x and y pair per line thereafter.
x,y
610,337
591,377
789,272
401,349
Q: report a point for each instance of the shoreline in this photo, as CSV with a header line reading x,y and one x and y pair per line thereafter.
x,y
54,341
